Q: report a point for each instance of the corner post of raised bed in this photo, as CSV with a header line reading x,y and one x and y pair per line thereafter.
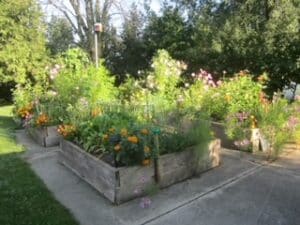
x,y
255,139
156,132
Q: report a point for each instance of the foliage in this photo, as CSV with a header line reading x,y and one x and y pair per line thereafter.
x,y
110,133
22,52
78,78
164,79
273,123
236,95
129,55
187,134
59,35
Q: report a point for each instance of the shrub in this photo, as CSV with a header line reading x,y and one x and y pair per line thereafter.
x,y
273,123
235,95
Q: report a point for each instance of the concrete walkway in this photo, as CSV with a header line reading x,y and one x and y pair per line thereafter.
x,y
242,191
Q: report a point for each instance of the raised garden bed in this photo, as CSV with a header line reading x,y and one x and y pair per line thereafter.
x,y
116,184
45,136
125,183
176,167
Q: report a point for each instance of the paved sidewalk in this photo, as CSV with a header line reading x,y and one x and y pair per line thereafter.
x,y
241,191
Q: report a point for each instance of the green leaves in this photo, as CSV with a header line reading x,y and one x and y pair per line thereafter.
x,y
22,52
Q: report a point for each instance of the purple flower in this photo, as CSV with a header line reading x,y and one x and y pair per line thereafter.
x,y
145,203
242,116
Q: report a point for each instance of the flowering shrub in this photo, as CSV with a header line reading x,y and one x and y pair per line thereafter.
x,y
236,95
160,88
79,79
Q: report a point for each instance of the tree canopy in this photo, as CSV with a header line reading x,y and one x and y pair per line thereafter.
x,y
22,41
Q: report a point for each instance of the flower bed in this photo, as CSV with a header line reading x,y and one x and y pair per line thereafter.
x,y
45,136
120,184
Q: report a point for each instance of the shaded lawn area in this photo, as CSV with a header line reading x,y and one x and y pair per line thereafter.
x,y
24,198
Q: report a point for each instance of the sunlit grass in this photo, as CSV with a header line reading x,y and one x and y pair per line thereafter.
x,y
24,199
7,125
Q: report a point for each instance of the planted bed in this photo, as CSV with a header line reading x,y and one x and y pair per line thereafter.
x,y
120,184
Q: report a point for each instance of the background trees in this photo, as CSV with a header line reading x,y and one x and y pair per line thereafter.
x,y
60,35
22,44
260,36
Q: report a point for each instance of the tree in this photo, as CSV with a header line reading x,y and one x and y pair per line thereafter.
x,y
131,56
22,41
83,14
59,35
168,31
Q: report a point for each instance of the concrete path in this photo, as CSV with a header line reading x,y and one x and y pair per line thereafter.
x,y
242,191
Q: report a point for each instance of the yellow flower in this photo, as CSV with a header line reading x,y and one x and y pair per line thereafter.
x,y
146,162
147,149
124,132
133,139
228,98
117,148
111,130
145,131
105,137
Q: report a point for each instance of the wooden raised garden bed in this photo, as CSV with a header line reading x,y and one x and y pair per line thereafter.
x,y
116,184
176,167
45,136
125,183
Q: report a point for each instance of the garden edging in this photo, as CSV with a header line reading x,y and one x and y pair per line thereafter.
x,y
45,136
125,183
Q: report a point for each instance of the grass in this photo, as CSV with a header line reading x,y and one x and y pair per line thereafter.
x,y
24,198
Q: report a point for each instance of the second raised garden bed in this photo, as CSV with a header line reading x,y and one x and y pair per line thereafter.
x,y
125,183
45,136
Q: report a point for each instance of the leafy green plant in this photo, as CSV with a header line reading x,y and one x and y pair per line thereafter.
x,y
236,95
273,123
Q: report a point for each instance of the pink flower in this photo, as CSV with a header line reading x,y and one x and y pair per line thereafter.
x,y
145,203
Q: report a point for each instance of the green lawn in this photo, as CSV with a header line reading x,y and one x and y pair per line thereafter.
x,y
24,198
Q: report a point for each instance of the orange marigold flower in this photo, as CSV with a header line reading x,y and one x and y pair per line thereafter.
x,y
145,131
124,132
117,148
66,130
146,162
147,149
96,112
133,139
42,119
